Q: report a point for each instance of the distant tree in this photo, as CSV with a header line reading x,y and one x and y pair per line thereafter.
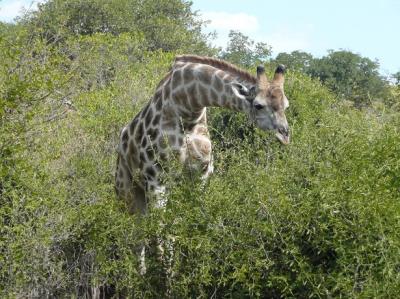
x,y
165,24
244,51
296,60
396,77
349,75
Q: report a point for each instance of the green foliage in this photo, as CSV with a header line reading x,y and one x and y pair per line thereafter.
x,y
349,75
396,77
166,25
318,218
243,51
296,60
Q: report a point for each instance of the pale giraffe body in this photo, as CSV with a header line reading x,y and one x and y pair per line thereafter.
x,y
175,122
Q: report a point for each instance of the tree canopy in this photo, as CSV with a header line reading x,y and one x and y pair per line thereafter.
x,y
244,51
348,74
168,25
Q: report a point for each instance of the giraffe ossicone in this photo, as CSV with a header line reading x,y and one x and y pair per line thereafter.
x,y
174,122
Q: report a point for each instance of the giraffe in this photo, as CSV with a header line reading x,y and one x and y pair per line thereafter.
x,y
174,122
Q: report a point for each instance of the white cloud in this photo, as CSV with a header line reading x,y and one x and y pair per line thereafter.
x,y
282,38
287,39
223,21
11,9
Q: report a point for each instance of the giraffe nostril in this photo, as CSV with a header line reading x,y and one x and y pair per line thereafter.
x,y
284,131
258,106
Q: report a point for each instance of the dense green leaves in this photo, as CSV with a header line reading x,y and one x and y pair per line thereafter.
x,y
166,25
243,51
318,218
349,75
297,60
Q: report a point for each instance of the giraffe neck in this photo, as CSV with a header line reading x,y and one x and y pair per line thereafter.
x,y
193,87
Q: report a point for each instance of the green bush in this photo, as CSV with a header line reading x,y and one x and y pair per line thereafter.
x,y
317,218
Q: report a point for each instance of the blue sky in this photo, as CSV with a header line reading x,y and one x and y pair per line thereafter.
x,y
370,28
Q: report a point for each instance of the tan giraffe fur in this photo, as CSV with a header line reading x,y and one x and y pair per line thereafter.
x,y
175,121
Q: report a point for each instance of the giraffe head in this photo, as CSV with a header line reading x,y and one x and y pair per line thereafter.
x,y
269,103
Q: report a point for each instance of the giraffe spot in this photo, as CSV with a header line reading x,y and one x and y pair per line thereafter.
x,y
156,119
144,141
149,116
158,104
167,92
191,89
139,133
150,153
218,84
188,76
150,171
180,96
132,126
204,74
203,95
142,157
132,152
124,146
152,133
192,94
158,94
125,135
176,79
213,95
131,148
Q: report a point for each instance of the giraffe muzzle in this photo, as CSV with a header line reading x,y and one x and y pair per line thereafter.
x,y
283,135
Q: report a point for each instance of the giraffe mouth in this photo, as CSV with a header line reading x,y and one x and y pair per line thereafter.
x,y
283,138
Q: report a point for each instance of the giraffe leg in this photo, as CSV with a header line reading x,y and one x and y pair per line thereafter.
x,y
129,190
164,244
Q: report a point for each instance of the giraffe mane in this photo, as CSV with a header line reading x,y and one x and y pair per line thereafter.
x,y
219,64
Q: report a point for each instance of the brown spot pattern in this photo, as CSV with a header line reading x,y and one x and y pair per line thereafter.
x,y
156,119
188,75
213,95
219,64
203,95
218,84
176,79
149,116
205,74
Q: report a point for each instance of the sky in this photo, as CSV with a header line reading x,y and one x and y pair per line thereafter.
x,y
370,28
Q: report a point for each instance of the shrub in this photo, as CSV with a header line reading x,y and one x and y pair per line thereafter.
x,y
317,218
